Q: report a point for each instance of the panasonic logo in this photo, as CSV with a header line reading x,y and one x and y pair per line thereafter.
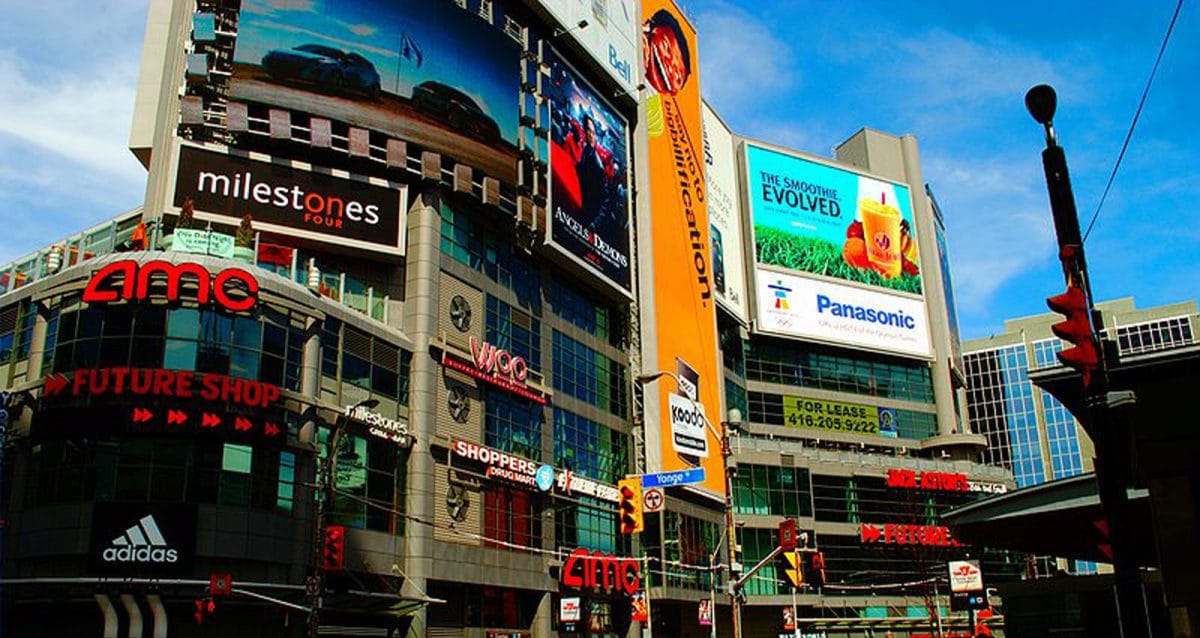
x,y
142,543
896,318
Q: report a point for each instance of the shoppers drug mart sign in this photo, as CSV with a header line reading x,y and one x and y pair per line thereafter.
x,y
794,306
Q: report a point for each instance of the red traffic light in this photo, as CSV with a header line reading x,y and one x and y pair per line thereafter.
x,y
333,553
787,534
1075,330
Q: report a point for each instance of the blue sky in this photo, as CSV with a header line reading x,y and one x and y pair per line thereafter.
x,y
798,73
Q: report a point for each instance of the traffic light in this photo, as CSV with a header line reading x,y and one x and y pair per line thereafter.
x,y
787,534
1075,330
204,609
814,568
333,553
793,567
631,505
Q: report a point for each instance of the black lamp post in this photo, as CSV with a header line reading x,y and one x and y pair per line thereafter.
x,y
1107,417
324,492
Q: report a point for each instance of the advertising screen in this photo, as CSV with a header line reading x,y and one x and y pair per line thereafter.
x,y
610,34
814,218
589,175
290,201
834,313
424,71
682,326
724,215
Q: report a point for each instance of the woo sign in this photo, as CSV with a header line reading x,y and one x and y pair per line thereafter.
x,y
601,572
496,366
232,289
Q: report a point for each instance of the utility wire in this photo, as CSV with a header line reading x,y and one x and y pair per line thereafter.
x,y
1133,124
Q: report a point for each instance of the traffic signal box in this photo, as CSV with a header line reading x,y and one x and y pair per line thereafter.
x,y
631,505
1076,330
793,568
804,566
333,552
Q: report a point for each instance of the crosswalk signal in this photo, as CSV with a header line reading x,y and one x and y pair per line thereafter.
x,y
1075,330
631,505
204,608
333,554
814,567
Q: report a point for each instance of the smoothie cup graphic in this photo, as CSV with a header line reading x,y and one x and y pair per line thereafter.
x,y
881,230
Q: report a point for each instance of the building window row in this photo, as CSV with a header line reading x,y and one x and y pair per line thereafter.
x,y
1000,403
589,448
1155,335
512,424
352,357
514,330
589,376
469,243
369,483
596,319
589,524
805,366
772,490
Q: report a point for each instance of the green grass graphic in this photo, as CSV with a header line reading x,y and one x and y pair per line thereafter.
x,y
817,256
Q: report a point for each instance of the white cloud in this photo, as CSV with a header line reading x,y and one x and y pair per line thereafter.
x,y
82,115
735,71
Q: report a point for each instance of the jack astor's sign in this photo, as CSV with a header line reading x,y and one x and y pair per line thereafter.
x,y
940,482
496,366
232,289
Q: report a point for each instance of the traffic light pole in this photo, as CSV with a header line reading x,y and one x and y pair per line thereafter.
x,y
1107,413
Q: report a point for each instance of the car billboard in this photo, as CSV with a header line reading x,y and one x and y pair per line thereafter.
x,y
425,71
589,176
609,33
679,316
815,218
724,216
280,197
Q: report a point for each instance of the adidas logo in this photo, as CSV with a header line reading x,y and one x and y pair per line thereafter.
x,y
142,543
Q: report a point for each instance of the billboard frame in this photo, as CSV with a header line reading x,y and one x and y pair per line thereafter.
x,y
625,292
397,252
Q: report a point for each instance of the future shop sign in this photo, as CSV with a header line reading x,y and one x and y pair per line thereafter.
x,y
232,289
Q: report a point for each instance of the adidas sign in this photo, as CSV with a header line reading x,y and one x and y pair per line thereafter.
x,y
142,543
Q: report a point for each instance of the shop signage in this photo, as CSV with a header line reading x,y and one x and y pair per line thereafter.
x,y
965,576
508,467
940,481
142,539
569,609
598,571
150,382
496,366
639,608
902,534
203,242
704,612
232,289
378,425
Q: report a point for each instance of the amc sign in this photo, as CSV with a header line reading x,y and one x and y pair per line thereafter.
x,y
232,289
601,572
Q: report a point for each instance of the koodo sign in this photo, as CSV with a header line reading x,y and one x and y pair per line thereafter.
x,y
142,539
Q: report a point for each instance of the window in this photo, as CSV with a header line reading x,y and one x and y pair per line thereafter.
x,y
369,484
1150,336
373,366
806,366
767,490
1000,404
513,330
589,448
685,541
492,253
589,376
510,520
512,424
592,317
590,524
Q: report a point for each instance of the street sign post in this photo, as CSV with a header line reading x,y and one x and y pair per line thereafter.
x,y
672,479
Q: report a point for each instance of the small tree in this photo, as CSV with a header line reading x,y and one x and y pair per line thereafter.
x,y
186,215
245,234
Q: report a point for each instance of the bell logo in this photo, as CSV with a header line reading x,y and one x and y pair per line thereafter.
x,y
142,543
233,289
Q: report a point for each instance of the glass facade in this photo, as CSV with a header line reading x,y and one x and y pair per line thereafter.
x,y
772,490
512,424
1000,402
356,365
589,376
589,448
369,483
803,366
1061,437
1152,336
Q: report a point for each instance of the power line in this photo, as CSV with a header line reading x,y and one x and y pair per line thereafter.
x,y
1133,124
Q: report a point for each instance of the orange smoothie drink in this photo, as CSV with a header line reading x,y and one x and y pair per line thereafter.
x,y
881,230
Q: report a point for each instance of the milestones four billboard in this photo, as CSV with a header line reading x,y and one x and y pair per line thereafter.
x,y
837,255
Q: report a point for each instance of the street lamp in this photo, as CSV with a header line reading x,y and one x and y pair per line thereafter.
x,y
729,468
324,492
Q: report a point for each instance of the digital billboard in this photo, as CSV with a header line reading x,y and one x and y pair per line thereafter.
x,y
818,219
680,320
793,305
610,34
724,216
425,71
356,213
589,176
